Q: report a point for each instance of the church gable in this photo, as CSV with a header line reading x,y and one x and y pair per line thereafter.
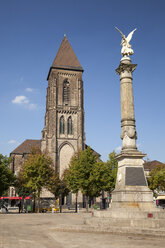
x,y
18,155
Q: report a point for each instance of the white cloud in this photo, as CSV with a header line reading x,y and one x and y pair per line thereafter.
x,y
29,89
12,142
23,100
20,100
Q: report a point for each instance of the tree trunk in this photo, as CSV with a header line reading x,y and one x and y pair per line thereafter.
x,y
34,204
61,202
102,200
86,203
38,202
76,203
22,204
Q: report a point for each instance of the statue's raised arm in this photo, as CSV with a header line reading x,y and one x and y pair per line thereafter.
x,y
126,47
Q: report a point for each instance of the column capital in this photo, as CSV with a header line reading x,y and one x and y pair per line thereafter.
x,y
126,67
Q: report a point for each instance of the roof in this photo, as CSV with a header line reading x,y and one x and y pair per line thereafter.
x,y
152,165
66,58
95,153
26,146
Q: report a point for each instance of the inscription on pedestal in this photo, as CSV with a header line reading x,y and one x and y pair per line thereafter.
x,y
135,177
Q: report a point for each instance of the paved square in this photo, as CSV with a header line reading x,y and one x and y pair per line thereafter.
x,y
38,231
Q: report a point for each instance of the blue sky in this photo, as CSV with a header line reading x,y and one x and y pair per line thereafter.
x,y
30,35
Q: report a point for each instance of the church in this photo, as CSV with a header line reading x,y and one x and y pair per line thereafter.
x,y
63,133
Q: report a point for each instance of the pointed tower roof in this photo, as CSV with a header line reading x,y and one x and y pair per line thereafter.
x,y
66,58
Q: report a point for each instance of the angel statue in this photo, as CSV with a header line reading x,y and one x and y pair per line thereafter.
x,y
126,47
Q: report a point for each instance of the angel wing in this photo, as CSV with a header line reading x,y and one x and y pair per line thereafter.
x,y
129,37
123,36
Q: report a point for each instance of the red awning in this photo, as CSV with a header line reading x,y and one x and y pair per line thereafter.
x,y
27,198
14,198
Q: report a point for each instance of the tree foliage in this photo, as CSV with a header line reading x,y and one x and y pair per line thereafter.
x,y
85,173
6,176
71,175
156,180
111,172
21,187
37,171
57,185
97,179
104,175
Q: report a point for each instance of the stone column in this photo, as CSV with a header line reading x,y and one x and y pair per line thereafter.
x,y
131,189
128,128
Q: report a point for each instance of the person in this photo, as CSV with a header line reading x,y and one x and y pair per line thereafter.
x,y
19,206
3,206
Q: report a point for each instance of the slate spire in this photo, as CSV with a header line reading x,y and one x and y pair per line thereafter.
x,y
66,58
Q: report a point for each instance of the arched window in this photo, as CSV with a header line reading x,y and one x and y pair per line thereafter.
x,y
70,125
66,92
62,125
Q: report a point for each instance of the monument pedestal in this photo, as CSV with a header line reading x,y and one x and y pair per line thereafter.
x,y
131,189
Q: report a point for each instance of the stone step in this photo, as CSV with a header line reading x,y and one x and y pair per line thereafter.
x,y
139,223
130,214
147,232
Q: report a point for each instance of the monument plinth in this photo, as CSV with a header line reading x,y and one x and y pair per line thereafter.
x,y
131,188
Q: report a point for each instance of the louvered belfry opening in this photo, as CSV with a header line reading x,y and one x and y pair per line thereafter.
x,y
62,125
70,126
66,92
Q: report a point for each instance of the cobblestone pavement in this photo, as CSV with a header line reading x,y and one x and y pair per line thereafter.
x,y
36,230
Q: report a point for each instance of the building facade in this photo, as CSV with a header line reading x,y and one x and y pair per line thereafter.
x,y
63,133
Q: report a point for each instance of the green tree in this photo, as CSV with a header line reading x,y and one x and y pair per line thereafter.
x,y
54,185
103,176
20,186
97,179
58,187
71,177
36,173
6,176
89,176
111,173
78,176
156,179
86,161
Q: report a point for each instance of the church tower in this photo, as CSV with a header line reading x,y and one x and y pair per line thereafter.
x,y
63,134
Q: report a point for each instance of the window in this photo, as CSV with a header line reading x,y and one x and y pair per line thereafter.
x,y
66,92
62,125
70,126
